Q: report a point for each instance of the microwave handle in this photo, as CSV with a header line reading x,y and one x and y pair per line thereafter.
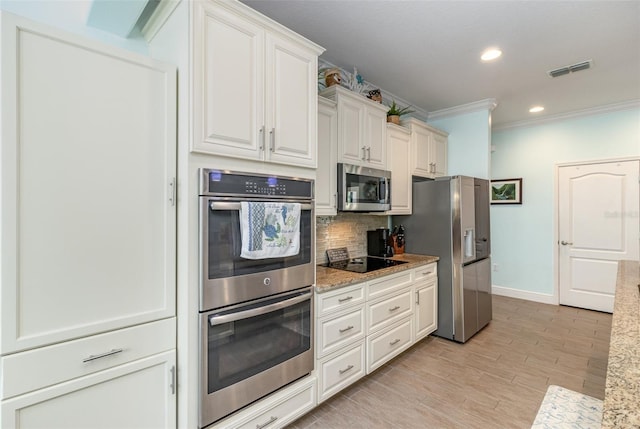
x,y
387,189
225,205
225,318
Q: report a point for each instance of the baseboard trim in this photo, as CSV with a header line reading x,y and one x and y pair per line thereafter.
x,y
524,294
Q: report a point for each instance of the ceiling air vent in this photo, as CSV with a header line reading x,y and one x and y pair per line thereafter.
x,y
584,65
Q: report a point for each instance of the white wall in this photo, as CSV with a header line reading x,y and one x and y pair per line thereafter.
x,y
71,16
469,143
523,235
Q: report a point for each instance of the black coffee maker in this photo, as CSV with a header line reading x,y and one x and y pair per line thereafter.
x,y
379,244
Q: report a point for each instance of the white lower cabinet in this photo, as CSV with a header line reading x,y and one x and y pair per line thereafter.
x,y
278,409
138,394
340,369
363,326
389,343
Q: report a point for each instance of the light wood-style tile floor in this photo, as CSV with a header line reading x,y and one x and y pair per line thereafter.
x,y
496,380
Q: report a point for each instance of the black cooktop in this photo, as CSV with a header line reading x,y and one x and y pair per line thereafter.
x,y
364,264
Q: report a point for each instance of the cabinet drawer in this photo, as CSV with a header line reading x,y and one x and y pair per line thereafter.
x,y
429,271
340,299
388,310
339,371
34,369
388,284
388,344
282,409
340,330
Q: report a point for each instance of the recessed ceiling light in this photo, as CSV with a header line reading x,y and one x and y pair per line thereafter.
x,y
491,54
536,109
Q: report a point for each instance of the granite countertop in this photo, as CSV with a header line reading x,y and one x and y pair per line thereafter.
x,y
621,408
330,278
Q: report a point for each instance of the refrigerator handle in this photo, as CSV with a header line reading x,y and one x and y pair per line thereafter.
x,y
469,243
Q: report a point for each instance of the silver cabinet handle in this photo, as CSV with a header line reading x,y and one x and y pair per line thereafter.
x,y
271,420
418,297
565,243
348,298
364,153
368,153
349,368
261,138
348,328
427,273
172,192
394,308
272,139
335,200
173,380
394,342
102,355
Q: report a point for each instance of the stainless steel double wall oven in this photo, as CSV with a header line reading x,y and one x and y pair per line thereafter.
x,y
256,320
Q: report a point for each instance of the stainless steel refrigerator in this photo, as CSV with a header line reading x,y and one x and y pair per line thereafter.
x,y
451,220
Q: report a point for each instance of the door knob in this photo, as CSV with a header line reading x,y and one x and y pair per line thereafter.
x,y
565,243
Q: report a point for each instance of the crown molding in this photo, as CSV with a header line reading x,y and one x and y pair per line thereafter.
x,y
486,104
157,19
615,107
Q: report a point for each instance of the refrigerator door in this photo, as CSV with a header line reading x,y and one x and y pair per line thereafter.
x,y
482,205
468,326
485,309
465,202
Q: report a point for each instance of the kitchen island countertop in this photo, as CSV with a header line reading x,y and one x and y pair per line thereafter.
x,y
330,278
622,391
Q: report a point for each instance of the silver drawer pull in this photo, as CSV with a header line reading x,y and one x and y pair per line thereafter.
x,y
100,356
427,273
349,368
394,342
271,420
394,308
348,328
348,298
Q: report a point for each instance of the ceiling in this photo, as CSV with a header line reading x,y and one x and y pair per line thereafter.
x,y
428,52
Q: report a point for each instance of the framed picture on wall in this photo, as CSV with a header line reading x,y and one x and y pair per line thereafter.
x,y
506,191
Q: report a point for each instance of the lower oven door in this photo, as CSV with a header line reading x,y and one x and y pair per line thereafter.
x,y
252,350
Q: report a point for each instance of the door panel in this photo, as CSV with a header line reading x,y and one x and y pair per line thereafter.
x,y
598,226
485,309
470,304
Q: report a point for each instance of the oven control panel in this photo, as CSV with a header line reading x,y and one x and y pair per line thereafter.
x,y
233,184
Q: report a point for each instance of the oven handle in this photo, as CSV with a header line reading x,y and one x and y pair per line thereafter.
x,y
226,205
225,318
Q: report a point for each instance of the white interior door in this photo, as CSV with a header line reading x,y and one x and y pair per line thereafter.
x,y
598,226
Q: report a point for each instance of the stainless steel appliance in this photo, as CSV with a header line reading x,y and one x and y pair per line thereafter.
x,y
451,220
379,243
340,260
256,315
363,189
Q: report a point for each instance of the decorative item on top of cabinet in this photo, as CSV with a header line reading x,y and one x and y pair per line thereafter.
x,y
254,86
399,163
394,112
326,173
361,128
428,149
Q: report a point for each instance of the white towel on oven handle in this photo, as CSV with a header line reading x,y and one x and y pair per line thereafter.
x,y
269,229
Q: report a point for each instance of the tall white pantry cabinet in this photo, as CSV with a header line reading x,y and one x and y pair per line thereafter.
x,y
88,233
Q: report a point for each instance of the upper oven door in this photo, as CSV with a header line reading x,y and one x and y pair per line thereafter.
x,y
226,278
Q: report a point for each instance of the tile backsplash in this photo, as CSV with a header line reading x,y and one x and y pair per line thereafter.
x,y
345,230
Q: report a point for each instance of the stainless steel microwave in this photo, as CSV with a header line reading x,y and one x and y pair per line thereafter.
x,y
363,189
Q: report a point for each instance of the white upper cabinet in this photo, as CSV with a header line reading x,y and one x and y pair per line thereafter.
x,y
428,149
399,161
362,127
88,167
326,174
254,86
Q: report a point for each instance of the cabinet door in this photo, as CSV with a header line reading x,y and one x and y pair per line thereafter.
x,y
350,131
88,187
326,180
228,83
421,152
398,161
426,308
291,112
375,141
439,154
140,394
